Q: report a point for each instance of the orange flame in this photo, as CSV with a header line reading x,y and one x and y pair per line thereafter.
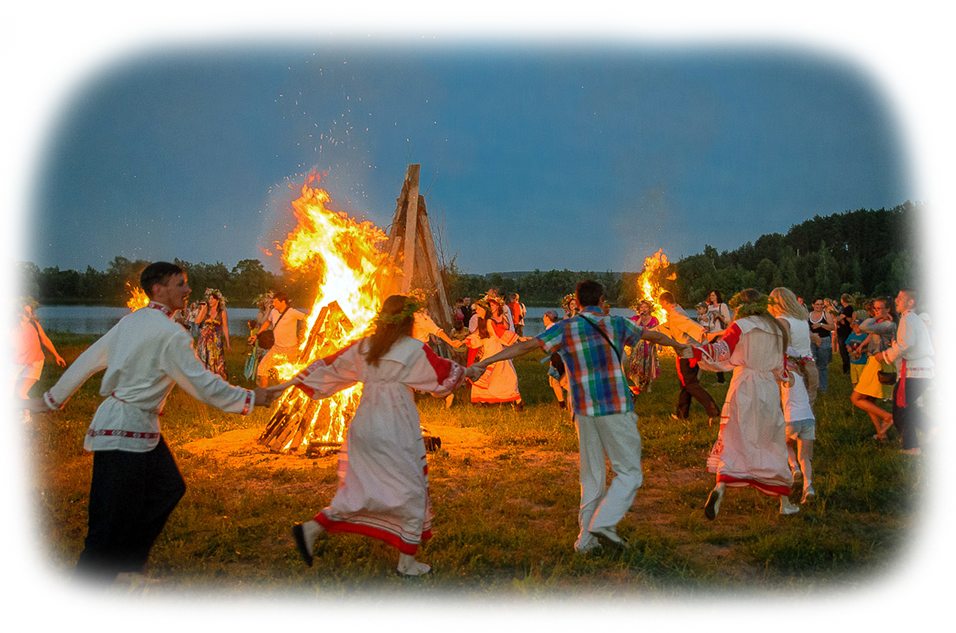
x,y
648,284
138,298
352,275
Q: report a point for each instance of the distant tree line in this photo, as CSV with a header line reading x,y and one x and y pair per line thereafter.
x,y
536,288
863,252
240,285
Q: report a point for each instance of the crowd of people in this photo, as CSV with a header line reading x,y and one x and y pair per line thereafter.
x,y
776,350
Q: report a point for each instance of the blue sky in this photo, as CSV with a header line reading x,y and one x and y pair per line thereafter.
x,y
584,157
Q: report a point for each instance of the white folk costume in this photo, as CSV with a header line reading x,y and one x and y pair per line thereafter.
x,y
751,449
795,397
499,383
144,355
136,483
383,472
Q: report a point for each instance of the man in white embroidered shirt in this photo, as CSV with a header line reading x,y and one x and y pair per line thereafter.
x,y
912,352
136,483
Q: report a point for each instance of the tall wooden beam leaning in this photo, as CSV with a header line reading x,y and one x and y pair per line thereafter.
x,y
410,238
411,227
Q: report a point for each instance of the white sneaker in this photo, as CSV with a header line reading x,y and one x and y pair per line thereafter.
x,y
808,494
449,400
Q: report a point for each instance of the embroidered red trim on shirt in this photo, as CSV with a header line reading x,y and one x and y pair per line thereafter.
x,y
161,308
248,405
51,402
442,366
324,362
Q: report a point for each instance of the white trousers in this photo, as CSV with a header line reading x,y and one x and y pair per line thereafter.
x,y
603,506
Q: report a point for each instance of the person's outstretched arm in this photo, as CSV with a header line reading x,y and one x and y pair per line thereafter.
x,y
512,351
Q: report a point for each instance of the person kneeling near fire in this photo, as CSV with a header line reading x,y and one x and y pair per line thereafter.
x,y
383,491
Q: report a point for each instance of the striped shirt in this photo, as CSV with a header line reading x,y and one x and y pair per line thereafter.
x,y
596,378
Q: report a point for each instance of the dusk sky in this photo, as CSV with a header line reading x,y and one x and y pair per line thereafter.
x,y
583,157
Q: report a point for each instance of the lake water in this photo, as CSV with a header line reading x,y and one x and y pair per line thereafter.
x,y
99,319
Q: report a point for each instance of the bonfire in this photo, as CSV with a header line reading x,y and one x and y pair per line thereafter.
x,y
138,298
353,272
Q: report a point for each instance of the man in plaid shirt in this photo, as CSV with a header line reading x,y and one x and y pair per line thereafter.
x,y
591,346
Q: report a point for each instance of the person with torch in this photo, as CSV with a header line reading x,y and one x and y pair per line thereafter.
x,y
136,484
590,344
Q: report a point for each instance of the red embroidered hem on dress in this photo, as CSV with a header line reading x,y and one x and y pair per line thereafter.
x,y
331,525
767,489
495,400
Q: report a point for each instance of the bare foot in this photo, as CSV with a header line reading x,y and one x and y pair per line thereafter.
x,y
78,606
408,566
135,578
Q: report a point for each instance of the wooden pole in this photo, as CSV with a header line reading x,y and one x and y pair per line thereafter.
x,y
411,227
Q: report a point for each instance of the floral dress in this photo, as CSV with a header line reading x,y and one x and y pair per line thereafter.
x,y
642,366
211,345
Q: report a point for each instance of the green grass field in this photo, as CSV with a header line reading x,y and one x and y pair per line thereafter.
x,y
505,505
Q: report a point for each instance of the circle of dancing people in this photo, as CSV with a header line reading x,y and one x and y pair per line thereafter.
x,y
772,346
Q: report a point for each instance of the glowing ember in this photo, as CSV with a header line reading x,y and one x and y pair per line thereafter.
x,y
649,283
138,298
352,272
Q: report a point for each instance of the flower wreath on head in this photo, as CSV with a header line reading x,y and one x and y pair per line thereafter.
x,y
743,308
566,302
411,307
214,292
261,299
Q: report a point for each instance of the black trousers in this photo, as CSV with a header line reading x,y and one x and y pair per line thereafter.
x,y
844,352
690,388
131,496
907,419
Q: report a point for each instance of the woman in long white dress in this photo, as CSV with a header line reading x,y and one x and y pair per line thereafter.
x,y
751,448
383,489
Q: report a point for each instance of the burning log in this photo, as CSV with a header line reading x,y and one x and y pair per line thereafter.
x,y
298,419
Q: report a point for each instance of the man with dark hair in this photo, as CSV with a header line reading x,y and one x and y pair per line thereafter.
x,y
284,321
136,483
913,352
590,345
681,328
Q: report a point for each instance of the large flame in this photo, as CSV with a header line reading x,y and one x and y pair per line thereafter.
x,y
649,283
138,298
352,271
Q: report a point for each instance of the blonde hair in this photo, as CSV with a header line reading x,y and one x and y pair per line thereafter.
x,y
788,304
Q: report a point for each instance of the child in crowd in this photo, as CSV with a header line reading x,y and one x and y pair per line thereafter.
x,y
557,376
856,348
